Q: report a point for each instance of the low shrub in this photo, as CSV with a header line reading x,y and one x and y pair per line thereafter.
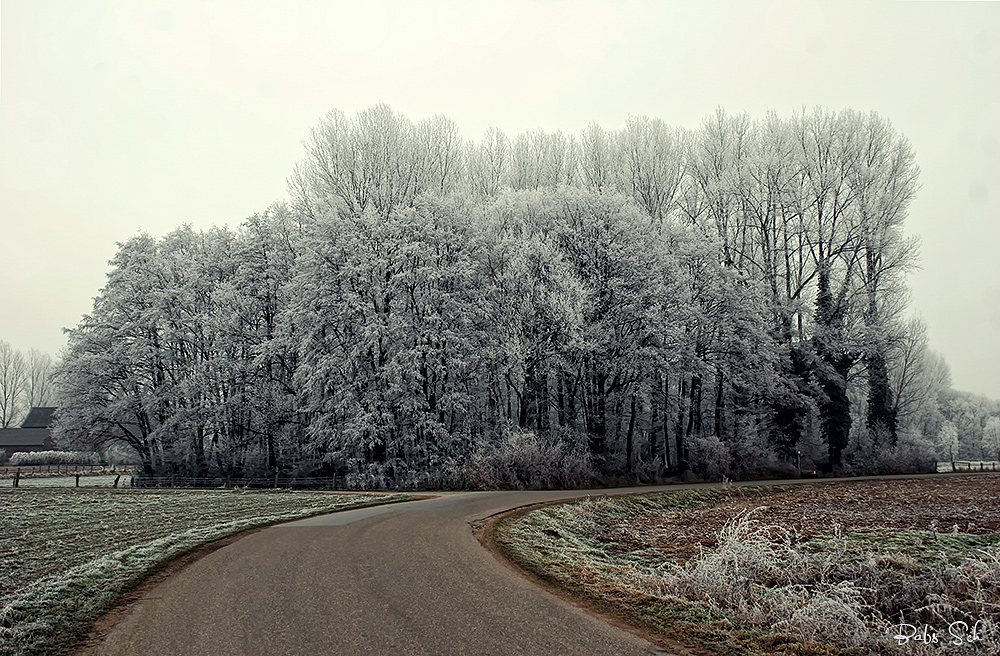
x,y
29,458
518,459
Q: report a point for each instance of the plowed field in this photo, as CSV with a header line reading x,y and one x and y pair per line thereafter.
x,y
959,504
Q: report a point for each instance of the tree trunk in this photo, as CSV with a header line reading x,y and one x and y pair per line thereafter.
x,y
682,451
881,414
629,434
666,422
835,408
720,404
694,415
597,419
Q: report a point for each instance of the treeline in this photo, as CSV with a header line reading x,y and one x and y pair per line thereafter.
x,y
546,310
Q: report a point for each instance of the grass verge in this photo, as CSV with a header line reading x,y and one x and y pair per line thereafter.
x,y
68,554
759,587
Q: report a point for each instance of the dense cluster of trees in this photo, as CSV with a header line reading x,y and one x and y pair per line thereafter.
x,y
25,382
547,309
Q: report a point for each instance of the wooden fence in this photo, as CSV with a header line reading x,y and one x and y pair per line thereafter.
x,y
969,466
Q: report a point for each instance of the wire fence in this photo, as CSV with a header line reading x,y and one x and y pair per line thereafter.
x,y
257,482
109,476
8,471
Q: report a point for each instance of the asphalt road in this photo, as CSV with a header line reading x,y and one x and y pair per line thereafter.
x,y
409,579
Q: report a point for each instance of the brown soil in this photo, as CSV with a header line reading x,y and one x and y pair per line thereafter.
x,y
970,503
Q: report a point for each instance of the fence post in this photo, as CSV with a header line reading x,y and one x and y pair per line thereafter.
x,y
17,477
117,478
276,481
78,480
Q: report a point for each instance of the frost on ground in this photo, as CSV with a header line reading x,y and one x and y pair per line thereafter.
x,y
68,554
823,569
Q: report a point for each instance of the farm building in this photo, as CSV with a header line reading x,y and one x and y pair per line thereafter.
x,y
33,435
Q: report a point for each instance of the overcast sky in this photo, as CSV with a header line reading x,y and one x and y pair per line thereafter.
x,y
123,116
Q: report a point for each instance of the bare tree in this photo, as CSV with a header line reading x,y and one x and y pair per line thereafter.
x,y
13,375
599,161
488,163
39,379
441,145
542,159
654,159
373,160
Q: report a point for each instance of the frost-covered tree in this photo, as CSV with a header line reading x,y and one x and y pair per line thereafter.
x,y
946,442
487,163
991,438
884,181
653,155
387,323
618,298
969,414
375,160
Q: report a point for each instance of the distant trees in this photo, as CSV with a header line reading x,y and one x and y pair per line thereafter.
x,y
624,304
972,417
12,377
40,391
25,382
991,438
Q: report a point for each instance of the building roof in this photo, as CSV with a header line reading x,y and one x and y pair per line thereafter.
x,y
24,437
40,417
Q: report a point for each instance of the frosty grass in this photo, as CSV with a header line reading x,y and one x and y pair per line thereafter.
x,y
758,591
67,554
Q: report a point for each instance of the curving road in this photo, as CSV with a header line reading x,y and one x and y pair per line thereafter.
x,y
408,578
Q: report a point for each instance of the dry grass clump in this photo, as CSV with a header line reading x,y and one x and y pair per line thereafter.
x,y
762,588
849,597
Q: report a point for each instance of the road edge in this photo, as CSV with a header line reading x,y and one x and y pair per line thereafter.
x,y
485,531
126,600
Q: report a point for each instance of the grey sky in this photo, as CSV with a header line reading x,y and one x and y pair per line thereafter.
x,y
117,117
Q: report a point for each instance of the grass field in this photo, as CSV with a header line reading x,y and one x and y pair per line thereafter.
x,y
67,554
868,567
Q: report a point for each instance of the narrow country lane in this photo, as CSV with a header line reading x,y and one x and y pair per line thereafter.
x,y
409,579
